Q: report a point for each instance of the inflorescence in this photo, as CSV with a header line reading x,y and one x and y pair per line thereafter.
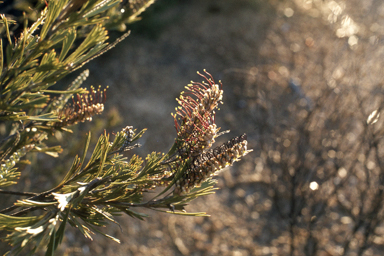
x,y
196,132
210,162
83,108
195,117
128,136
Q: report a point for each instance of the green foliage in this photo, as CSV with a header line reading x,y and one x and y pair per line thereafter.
x,y
95,189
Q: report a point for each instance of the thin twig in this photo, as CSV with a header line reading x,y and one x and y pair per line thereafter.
x,y
17,193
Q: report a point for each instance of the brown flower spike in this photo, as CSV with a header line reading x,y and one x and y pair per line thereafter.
x,y
211,162
83,108
195,116
196,132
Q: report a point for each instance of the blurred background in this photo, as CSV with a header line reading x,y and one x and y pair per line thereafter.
x,y
303,79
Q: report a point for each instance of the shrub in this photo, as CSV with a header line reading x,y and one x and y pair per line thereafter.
x,y
62,38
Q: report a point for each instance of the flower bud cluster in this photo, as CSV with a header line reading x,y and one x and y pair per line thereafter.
x,y
128,135
194,118
211,162
83,108
13,159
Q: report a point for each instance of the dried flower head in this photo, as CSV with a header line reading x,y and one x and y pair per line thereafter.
x,y
128,136
84,106
211,162
195,116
